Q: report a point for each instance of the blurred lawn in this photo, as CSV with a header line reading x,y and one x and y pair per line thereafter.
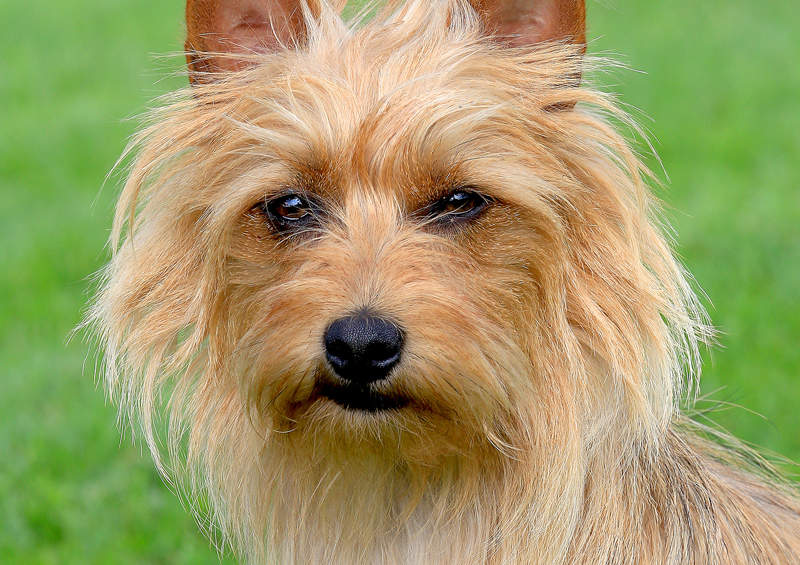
x,y
723,91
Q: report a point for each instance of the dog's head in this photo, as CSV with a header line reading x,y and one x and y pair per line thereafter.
x,y
416,236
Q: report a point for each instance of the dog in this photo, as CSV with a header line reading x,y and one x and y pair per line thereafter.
x,y
396,291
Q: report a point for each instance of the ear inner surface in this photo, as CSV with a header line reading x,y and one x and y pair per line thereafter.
x,y
237,26
526,22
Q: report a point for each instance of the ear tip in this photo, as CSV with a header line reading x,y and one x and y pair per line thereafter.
x,y
533,21
234,28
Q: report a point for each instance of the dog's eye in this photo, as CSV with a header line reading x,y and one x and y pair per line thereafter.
x,y
292,208
459,205
290,211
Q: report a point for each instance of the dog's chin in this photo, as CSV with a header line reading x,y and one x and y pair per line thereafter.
x,y
367,399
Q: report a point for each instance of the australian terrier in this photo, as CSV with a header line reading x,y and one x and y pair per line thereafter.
x,y
395,291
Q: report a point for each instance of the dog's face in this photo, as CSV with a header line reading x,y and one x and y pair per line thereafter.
x,y
404,239
392,253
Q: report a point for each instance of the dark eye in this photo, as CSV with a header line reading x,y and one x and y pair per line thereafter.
x,y
290,211
457,206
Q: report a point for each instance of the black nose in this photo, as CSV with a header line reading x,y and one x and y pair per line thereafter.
x,y
363,348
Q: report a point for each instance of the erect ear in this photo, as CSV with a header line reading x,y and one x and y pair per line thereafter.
x,y
217,30
525,22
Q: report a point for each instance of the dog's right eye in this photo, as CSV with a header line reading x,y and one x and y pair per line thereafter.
x,y
290,211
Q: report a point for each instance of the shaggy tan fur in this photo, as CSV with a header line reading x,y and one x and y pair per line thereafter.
x,y
549,341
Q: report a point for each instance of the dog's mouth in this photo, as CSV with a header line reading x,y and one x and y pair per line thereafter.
x,y
362,398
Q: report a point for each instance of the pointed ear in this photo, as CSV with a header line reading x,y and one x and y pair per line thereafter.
x,y
216,30
526,22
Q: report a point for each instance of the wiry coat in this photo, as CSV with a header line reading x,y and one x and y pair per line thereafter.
x,y
549,342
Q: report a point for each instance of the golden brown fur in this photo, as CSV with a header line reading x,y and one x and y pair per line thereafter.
x,y
549,342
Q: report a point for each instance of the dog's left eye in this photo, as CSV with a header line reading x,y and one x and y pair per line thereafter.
x,y
459,205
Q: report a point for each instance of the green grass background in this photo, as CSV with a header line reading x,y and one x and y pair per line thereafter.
x,y
722,91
